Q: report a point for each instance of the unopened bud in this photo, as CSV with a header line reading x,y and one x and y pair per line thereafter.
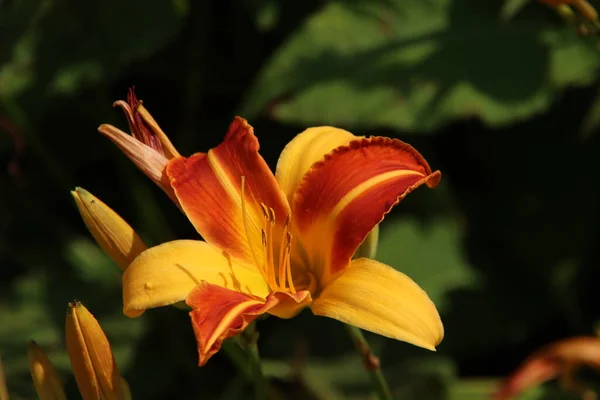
x,y
45,378
91,357
115,236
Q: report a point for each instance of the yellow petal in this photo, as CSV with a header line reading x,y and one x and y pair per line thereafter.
x,y
167,273
91,357
377,298
45,378
303,151
115,236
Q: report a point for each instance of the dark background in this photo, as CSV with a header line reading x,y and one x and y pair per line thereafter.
x,y
501,97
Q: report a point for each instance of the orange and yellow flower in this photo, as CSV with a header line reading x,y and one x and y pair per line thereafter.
x,y
559,360
277,243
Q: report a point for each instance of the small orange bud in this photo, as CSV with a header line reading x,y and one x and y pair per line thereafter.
x,y
45,378
91,357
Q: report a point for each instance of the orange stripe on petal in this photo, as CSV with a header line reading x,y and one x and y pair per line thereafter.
x,y
344,196
220,313
208,188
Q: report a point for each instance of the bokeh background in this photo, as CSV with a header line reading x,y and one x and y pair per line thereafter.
x,y
500,96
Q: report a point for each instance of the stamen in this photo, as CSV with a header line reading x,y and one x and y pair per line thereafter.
x,y
288,265
270,278
245,221
283,252
271,215
264,237
264,210
270,244
281,277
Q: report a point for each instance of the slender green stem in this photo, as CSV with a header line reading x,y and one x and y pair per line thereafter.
x,y
243,353
239,357
370,362
260,383
261,387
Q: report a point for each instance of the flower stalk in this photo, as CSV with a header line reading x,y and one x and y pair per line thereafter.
x,y
370,361
250,340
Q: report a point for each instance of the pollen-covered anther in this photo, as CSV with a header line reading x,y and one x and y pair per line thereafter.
x,y
274,267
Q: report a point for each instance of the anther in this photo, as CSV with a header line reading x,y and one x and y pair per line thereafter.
x,y
286,224
271,215
247,231
288,241
264,210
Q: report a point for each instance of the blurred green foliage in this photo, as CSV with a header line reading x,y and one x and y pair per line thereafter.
x,y
501,97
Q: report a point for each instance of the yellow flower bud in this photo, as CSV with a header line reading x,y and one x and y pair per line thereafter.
x,y
91,357
115,236
45,378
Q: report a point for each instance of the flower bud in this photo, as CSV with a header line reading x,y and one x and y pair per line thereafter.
x,y
45,378
115,236
148,147
91,357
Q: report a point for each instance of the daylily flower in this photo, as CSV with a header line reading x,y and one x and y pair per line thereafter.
x,y
556,360
279,243
148,146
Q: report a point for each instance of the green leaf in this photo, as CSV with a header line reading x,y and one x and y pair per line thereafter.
x,y
418,65
69,45
473,389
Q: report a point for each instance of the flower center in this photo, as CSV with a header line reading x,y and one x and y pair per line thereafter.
x,y
276,271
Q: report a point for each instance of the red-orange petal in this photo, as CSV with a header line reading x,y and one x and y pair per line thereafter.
x,y
208,187
219,313
343,197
